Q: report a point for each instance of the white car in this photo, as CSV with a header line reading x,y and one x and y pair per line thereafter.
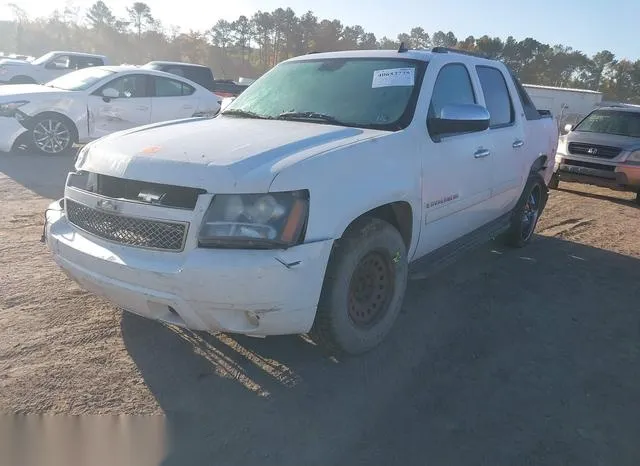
x,y
47,67
303,204
91,103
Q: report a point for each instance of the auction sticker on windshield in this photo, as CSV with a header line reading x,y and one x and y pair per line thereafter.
x,y
393,77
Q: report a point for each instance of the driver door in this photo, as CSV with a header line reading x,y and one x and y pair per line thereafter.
x,y
131,108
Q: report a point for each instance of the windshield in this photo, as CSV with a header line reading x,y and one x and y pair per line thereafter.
x,y
43,59
612,122
81,79
369,93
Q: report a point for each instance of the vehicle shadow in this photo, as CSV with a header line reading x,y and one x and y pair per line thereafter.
x,y
42,174
602,197
507,357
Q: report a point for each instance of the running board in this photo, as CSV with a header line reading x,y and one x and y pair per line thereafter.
x,y
449,253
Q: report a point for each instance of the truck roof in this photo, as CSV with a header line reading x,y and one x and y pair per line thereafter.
x,y
84,54
174,63
422,55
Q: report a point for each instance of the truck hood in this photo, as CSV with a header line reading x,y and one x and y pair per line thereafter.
x,y
223,154
613,140
27,91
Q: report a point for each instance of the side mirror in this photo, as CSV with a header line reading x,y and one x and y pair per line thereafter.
x,y
109,93
460,118
568,128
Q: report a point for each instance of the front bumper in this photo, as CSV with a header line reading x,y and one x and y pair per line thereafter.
x,y
253,292
10,130
619,176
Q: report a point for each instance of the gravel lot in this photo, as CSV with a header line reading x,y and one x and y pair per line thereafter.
x,y
508,357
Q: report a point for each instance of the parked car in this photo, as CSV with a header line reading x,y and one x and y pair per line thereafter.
x,y
91,103
47,67
603,150
200,74
302,206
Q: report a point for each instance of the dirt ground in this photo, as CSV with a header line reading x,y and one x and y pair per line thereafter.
x,y
507,357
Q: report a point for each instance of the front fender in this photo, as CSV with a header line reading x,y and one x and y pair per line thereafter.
x,y
347,182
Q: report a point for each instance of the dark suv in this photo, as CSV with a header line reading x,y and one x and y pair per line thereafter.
x,y
199,74
603,150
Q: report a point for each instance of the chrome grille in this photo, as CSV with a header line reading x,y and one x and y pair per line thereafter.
x,y
594,150
138,232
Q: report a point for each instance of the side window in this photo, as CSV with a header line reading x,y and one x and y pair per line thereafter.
x,y
80,62
171,88
453,86
59,62
496,96
130,86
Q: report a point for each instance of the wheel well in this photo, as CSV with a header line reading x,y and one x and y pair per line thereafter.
x,y
74,128
398,214
22,78
539,164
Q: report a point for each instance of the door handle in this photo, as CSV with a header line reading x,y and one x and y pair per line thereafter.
x,y
518,143
480,153
143,107
187,107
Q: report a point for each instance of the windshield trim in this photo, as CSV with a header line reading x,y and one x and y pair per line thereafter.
x,y
98,82
43,58
401,123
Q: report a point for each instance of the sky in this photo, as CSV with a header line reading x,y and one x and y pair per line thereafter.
x,y
586,25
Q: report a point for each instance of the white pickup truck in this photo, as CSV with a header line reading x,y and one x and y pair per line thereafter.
x,y
47,67
303,206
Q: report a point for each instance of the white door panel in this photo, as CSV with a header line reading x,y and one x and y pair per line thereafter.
x,y
171,108
456,170
118,114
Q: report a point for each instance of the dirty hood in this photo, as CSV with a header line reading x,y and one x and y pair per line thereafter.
x,y
223,154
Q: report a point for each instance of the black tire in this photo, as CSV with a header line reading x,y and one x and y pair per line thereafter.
x,y
371,256
527,212
554,182
45,143
22,80
638,198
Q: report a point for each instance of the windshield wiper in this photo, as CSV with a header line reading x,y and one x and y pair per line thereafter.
x,y
246,114
311,116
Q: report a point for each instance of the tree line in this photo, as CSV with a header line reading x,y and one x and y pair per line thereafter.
x,y
249,46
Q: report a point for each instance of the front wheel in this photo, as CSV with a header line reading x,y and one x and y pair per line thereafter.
x,y
527,212
638,198
51,135
363,289
554,182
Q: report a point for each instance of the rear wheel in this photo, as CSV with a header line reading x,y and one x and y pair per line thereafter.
x,y
363,289
527,212
52,135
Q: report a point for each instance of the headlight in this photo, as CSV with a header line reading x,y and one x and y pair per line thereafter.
x,y
634,157
562,146
81,157
271,220
9,108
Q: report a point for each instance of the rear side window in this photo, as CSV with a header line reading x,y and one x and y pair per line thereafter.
x,y
453,86
496,96
171,88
